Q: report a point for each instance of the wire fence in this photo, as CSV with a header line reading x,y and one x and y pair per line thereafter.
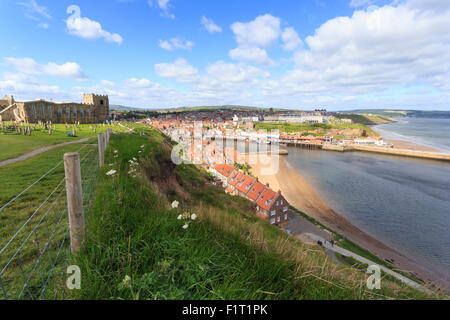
x,y
34,232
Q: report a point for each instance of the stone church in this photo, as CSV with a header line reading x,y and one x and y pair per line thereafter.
x,y
94,109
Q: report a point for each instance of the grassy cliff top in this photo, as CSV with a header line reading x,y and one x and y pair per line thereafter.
x,y
140,247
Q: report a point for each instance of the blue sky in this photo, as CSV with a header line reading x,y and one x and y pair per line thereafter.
x,y
339,54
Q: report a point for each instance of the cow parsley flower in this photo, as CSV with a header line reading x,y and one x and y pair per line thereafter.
x,y
193,216
185,226
175,204
111,172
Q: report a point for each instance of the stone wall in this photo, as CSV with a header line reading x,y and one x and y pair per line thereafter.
x,y
94,109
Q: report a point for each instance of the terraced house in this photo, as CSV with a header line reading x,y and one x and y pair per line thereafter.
x,y
94,109
270,205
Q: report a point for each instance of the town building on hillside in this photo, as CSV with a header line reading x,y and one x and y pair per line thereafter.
x,y
95,108
255,191
272,206
244,185
222,172
234,179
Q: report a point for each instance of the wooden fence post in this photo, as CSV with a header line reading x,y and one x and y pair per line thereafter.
x,y
74,200
100,150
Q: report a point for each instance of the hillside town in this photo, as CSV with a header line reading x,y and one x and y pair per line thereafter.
x,y
270,205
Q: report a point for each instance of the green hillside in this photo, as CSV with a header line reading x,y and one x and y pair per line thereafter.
x,y
366,119
137,247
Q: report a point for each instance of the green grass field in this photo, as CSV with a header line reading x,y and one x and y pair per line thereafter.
x,y
366,119
313,129
44,227
137,247
12,145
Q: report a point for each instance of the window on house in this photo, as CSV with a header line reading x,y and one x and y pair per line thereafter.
x,y
33,111
272,213
285,217
285,209
50,111
278,219
67,112
74,112
42,111
81,113
272,221
59,113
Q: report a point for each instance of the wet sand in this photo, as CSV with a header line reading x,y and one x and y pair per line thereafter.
x,y
401,144
302,196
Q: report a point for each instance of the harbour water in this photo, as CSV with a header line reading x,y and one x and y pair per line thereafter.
x,y
403,202
428,132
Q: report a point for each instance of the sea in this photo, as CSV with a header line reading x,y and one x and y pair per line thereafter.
x,y
428,132
403,202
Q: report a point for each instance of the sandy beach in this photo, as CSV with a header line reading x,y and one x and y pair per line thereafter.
x,y
302,196
402,144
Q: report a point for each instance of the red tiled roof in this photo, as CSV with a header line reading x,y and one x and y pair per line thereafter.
x,y
236,178
224,169
255,191
267,199
228,190
245,183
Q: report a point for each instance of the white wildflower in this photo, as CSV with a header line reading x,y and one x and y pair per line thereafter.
x,y
142,147
116,151
185,226
193,216
180,217
111,172
175,204
134,159
126,281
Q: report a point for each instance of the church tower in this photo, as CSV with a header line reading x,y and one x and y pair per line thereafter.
x,y
100,106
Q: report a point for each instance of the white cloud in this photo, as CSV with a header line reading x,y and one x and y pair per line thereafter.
x,y
291,39
43,25
429,5
34,11
210,26
164,6
175,43
251,54
252,37
371,51
138,83
70,70
27,86
180,71
264,31
360,3
87,28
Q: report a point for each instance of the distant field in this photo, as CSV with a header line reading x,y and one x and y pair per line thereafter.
x,y
12,145
315,129
365,118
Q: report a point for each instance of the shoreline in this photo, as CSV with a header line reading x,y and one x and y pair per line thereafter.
x,y
302,196
404,142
